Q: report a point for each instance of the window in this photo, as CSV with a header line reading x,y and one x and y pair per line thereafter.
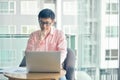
x,y
50,4
12,29
8,7
70,8
29,7
27,29
7,29
112,8
111,54
90,27
89,53
15,29
8,60
3,29
68,29
70,41
112,31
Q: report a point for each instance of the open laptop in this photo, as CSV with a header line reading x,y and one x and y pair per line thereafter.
x,y
43,61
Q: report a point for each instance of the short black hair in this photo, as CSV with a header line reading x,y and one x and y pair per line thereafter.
x,y
46,13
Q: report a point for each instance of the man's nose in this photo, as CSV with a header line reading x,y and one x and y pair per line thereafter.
x,y
44,25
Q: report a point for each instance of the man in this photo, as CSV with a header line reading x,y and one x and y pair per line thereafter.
x,y
48,38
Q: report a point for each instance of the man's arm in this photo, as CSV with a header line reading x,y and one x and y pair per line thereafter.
x,y
30,43
62,46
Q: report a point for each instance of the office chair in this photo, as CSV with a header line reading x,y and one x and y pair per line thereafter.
x,y
68,65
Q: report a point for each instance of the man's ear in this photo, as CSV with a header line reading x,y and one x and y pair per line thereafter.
x,y
53,22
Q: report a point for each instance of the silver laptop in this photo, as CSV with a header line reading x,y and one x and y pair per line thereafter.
x,y
43,61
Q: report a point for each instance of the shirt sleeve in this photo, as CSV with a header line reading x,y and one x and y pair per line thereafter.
x,y
62,46
30,43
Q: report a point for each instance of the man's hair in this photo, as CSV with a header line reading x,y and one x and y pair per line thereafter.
x,y
46,13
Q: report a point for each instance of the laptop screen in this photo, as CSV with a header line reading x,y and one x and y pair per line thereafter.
x,y
43,61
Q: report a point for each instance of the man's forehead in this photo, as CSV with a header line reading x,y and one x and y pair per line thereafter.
x,y
45,19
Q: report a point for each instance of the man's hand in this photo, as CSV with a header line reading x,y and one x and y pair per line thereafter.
x,y
43,34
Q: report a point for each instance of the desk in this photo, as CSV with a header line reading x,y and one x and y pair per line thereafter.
x,y
33,76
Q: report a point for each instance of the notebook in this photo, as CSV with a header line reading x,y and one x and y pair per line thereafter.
x,y
43,61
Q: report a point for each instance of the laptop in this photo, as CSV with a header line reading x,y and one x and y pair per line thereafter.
x,y
43,61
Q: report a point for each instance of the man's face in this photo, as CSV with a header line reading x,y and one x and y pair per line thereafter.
x,y
46,23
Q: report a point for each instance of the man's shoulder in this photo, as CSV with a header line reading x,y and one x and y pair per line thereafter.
x,y
58,33
35,33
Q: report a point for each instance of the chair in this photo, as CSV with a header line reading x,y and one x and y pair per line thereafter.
x,y
69,64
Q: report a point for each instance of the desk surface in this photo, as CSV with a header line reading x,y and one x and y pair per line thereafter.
x,y
17,75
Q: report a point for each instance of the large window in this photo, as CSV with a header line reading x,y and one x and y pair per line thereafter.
x,y
15,29
91,28
18,18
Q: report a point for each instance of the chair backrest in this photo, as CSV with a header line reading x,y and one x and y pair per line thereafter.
x,y
69,64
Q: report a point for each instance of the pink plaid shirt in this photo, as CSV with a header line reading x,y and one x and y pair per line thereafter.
x,y
54,41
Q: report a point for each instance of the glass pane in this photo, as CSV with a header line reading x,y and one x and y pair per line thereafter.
x,y
7,7
4,30
27,9
114,31
11,5
31,29
73,42
114,58
4,11
50,1
12,30
11,11
114,6
24,30
108,6
107,52
4,5
108,30
107,58
114,53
